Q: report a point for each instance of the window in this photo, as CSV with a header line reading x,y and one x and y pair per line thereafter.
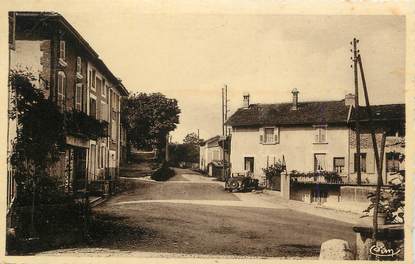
x,y
104,111
338,165
93,107
320,135
78,96
102,157
99,157
319,162
104,88
61,89
113,130
93,77
92,160
62,50
98,83
79,65
362,162
90,79
392,161
270,136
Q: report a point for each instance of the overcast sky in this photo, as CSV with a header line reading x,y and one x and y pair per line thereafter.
x,y
191,57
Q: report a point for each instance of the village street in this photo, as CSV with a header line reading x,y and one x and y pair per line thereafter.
x,y
192,215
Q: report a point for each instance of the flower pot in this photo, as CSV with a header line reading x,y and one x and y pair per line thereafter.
x,y
381,218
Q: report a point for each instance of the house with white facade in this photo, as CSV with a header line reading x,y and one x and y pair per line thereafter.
x,y
213,154
313,136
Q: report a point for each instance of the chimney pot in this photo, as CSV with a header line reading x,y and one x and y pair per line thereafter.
x,y
295,93
349,100
246,100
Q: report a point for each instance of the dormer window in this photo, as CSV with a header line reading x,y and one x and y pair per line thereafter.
x,y
320,134
269,135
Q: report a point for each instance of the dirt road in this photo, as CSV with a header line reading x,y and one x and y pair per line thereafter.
x,y
192,214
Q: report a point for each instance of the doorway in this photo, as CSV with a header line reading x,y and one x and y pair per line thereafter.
x,y
249,164
79,168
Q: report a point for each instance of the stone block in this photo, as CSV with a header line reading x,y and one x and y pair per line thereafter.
x,y
336,249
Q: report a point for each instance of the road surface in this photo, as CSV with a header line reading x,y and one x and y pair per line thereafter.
x,y
192,214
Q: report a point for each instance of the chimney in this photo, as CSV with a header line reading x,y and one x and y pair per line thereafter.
x,y
246,100
349,100
295,93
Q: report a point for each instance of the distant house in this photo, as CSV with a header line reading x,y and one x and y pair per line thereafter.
x,y
214,153
313,136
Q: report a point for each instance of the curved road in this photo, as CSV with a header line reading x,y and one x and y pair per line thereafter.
x,y
192,214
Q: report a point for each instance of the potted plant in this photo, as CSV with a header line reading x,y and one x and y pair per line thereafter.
x,y
384,210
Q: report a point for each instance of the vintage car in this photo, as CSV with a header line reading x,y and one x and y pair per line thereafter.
x,y
242,182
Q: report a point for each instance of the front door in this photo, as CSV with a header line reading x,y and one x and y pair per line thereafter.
x,y
249,164
79,157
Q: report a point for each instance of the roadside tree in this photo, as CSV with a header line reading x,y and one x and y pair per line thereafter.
x,y
149,118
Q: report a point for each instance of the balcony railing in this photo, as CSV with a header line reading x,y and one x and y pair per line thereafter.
x,y
80,124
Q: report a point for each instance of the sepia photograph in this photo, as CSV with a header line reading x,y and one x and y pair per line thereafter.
x,y
216,135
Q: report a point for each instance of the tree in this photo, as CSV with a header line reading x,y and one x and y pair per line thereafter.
x,y
149,118
191,143
193,139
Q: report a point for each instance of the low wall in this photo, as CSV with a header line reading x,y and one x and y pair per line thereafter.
x,y
355,193
319,193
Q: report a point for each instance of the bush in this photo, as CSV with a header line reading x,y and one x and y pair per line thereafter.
x,y
163,173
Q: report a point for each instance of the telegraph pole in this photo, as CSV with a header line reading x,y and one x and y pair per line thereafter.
x,y
226,109
357,117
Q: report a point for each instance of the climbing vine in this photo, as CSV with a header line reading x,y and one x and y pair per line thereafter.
x,y
38,145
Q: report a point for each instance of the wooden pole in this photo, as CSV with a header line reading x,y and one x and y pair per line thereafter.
x,y
226,109
378,159
223,114
357,125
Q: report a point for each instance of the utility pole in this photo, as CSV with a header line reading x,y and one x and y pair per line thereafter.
x,y
357,117
226,110
223,114
378,156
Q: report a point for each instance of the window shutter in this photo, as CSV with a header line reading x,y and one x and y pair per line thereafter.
x,y
261,138
276,137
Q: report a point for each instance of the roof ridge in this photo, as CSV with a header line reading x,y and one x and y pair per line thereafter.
x,y
323,101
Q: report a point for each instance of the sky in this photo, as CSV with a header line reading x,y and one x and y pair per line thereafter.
x,y
190,57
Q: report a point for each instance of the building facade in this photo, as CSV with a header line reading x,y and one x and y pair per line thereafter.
x,y
312,137
71,74
214,153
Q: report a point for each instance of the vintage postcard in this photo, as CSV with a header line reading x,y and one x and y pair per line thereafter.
x,y
199,132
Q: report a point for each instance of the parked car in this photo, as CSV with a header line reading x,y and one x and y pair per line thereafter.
x,y
242,182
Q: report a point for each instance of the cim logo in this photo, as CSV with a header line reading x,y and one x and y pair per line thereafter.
x,y
382,251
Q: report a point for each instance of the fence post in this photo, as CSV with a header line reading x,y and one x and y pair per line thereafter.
x,y
285,186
